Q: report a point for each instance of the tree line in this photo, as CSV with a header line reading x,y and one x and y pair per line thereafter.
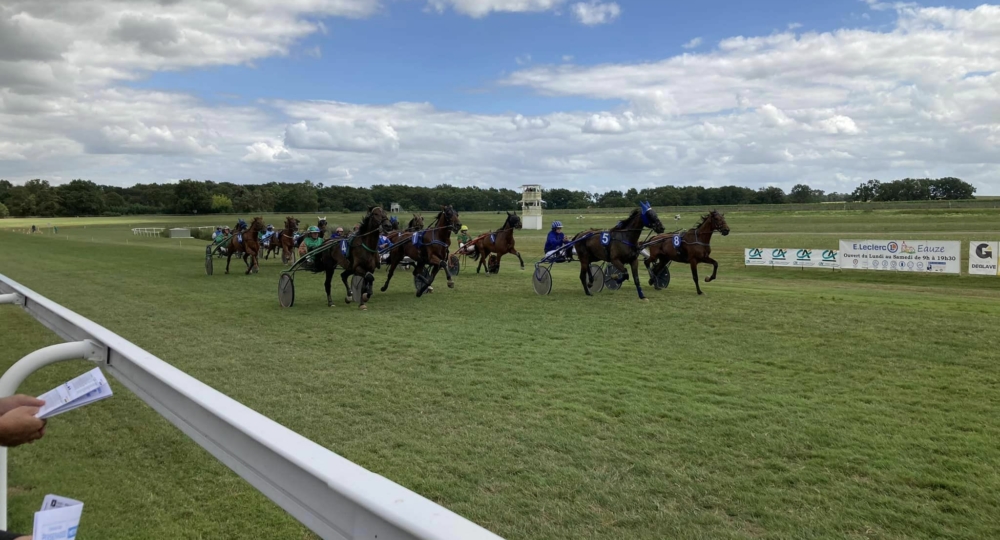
x,y
85,198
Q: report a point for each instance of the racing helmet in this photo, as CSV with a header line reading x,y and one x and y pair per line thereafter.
x,y
465,227
313,229
556,225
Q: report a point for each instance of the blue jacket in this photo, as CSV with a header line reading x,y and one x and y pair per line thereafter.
x,y
554,241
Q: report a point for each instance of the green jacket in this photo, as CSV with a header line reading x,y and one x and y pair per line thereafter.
x,y
312,243
464,238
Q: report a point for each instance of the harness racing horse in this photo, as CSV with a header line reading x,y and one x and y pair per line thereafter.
x,y
501,242
617,246
247,243
286,240
357,254
691,246
427,248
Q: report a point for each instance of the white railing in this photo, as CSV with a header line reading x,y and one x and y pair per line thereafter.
x,y
147,231
333,497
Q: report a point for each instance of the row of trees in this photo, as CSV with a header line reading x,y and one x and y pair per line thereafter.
x,y
914,189
83,197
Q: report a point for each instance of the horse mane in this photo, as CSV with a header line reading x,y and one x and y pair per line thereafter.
x,y
623,224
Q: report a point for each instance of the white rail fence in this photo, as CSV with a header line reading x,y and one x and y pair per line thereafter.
x,y
333,497
147,231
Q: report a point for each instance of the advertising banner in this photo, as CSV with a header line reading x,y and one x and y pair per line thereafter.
x,y
802,258
757,257
943,257
983,258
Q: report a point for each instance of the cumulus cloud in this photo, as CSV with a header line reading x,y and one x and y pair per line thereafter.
x,y
482,8
693,44
593,13
827,108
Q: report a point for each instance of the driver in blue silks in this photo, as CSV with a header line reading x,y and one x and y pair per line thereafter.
x,y
556,240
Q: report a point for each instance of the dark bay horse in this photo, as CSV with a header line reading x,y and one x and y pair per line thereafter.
x,y
357,254
618,246
691,246
500,242
247,243
428,247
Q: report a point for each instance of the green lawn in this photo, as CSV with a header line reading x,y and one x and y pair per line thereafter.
x,y
784,403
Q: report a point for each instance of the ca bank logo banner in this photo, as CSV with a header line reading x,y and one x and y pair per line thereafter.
x,y
983,258
757,256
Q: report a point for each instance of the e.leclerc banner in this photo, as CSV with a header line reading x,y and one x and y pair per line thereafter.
x,y
901,256
983,258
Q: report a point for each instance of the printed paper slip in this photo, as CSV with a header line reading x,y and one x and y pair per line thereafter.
x,y
83,390
58,519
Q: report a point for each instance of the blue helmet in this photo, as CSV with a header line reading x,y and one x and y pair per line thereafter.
x,y
393,219
556,225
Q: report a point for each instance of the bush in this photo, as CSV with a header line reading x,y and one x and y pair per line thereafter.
x,y
3,211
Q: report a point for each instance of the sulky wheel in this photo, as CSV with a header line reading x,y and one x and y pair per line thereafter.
x,y
541,280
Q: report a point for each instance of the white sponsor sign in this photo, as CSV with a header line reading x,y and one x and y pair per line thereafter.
x,y
983,258
902,256
803,258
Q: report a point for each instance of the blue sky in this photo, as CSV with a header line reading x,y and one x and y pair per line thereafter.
x,y
586,94
408,53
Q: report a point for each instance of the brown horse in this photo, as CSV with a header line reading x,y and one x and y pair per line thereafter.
x,y
246,242
427,247
617,246
286,240
501,242
357,254
691,246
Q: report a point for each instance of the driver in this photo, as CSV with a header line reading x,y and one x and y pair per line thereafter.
x,y
310,241
556,242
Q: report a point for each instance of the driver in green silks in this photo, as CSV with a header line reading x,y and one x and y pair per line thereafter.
x,y
311,241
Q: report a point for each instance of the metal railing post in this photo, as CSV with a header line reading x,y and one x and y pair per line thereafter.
x,y
16,375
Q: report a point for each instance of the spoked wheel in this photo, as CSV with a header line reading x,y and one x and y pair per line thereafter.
x,y
286,290
541,280
208,262
597,275
661,280
613,278
454,265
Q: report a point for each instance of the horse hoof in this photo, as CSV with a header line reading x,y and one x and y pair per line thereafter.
x,y
347,299
700,293
363,307
430,289
383,289
364,298
644,299
329,304
451,285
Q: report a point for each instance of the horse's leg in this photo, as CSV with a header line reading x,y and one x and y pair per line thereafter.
x,y
715,268
499,255
343,277
635,277
229,257
366,290
694,275
326,284
585,276
516,252
388,278
482,259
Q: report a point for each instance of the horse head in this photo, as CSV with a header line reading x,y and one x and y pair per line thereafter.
x,y
416,223
719,222
513,220
376,218
257,224
649,217
449,217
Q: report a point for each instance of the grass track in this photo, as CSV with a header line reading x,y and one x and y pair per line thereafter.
x,y
782,404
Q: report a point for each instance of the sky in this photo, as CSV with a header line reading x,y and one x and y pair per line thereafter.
x,y
591,95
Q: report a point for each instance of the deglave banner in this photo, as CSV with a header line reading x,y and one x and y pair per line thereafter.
x,y
943,257
983,258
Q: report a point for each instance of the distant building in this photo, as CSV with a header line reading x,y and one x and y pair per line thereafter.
x,y
395,208
531,206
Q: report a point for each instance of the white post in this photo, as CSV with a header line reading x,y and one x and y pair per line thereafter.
x,y
19,372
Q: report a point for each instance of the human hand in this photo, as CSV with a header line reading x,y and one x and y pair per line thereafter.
x,y
20,426
8,404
